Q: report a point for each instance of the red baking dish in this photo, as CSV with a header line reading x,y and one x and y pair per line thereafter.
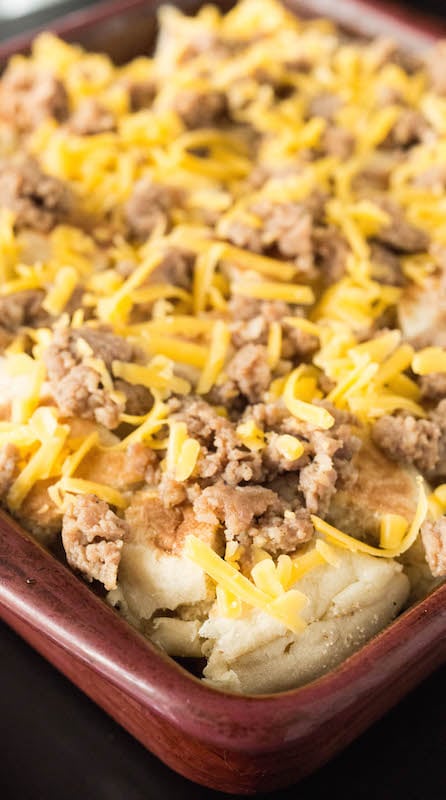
x,y
225,741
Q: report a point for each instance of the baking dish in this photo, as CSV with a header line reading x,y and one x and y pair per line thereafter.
x,y
231,743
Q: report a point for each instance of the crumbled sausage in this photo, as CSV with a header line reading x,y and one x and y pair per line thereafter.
x,y
242,234
326,460
80,393
387,95
141,94
288,226
172,492
244,309
331,253
282,530
201,109
301,62
91,118
275,417
433,386
235,506
93,537
281,87
250,321
176,268
438,416
9,457
338,142
38,201
400,234
104,344
138,399
414,441
409,129
21,308
318,479
253,515
433,535
222,453
386,266
77,386
331,463
149,205
375,174
324,105
28,96
249,372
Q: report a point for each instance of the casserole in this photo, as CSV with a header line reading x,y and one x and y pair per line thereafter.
x,y
258,730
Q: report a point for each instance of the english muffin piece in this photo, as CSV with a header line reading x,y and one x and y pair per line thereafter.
x,y
154,574
382,487
39,514
347,605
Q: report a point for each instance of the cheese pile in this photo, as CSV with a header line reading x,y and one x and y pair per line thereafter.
x,y
186,333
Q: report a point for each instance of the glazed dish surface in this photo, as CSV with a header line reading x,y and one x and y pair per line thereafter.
x,y
223,374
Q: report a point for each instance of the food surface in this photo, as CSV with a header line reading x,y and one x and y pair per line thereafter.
x,y
223,332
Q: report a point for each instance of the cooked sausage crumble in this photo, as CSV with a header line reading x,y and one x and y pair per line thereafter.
x,y
223,313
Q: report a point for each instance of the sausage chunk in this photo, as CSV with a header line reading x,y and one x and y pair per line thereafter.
x,y
93,536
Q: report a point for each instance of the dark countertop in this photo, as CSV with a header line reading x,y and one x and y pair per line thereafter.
x,y
55,744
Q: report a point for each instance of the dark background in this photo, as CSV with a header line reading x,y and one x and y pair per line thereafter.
x,y
55,744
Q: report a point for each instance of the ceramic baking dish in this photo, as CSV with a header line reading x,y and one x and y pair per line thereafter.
x,y
231,743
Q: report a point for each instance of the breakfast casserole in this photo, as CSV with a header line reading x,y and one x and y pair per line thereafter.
x,y
223,332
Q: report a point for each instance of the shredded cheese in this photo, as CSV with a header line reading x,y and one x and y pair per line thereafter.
x,y
290,447
265,577
59,294
158,292
38,467
431,359
392,530
151,425
440,494
187,459
217,355
274,345
304,325
156,375
262,264
251,435
285,608
217,200
117,307
72,461
182,452
269,290
177,349
357,546
314,415
203,274
228,604
80,486
27,398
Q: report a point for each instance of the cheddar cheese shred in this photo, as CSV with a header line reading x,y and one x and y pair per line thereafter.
x,y
223,331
